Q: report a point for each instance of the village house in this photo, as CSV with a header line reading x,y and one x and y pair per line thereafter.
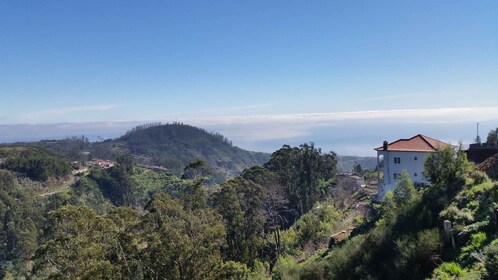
x,y
404,154
102,163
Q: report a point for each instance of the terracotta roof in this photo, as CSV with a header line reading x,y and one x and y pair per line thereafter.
x,y
418,143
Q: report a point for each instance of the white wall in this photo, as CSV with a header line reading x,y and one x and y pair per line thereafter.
x,y
414,167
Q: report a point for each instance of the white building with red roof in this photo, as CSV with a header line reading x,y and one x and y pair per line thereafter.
x,y
404,154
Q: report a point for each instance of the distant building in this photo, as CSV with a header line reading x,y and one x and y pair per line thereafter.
x,y
404,154
102,163
479,152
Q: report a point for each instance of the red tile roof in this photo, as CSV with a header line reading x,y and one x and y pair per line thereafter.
x,y
418,143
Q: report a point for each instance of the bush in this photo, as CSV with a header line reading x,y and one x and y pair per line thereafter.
x,y
479,177
419,254
491,260
459,216
449,271
234,271
37,164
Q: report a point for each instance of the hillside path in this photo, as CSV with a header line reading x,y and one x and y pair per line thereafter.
x,y
64,187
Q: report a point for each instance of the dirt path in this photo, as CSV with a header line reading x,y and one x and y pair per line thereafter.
x,y
63,188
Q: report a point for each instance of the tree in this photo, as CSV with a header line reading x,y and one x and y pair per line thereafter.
x,y
444,166
180,243
195,170
491,260
77,244
126,161
357,169
240,202
305,173
492,136
275,206
405,189
116,184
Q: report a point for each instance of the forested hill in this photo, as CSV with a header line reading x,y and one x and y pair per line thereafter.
x,y
176,145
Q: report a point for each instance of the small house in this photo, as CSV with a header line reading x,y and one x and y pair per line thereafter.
x,y
404,154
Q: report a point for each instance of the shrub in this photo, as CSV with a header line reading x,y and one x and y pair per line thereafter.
x,y
479,177
449,271
491,260
460,216
234,271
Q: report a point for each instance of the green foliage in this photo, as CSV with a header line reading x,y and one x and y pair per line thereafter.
x,y
476,242
405,190
492,136
234,271
181,243
116,184
491,260
148,183
79,245
240,230
479,177
19,222
73,148
173,240
459,216
125,161
87,192
422,251
449,271
176,145
35,163
413,224
240,203
302,172
286,268
316,226
444,166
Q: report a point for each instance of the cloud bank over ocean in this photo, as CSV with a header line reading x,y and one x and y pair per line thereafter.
x,y
355,132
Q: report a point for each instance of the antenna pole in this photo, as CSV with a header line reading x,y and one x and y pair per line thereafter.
x,y
477,130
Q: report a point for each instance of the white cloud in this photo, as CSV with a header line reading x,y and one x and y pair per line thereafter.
x,y
437,115
344,132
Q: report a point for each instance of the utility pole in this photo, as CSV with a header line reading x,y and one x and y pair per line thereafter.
x,y
478,139
477,130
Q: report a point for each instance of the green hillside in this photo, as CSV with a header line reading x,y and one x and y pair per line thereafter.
x,y
291,218
35,163
175,145
172,146
346,163
408,240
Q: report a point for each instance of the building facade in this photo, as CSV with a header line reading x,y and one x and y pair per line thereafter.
x,y
404,154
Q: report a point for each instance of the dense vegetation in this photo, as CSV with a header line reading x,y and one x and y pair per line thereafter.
x,y
128,222
172,146
34,163
273,221
408,241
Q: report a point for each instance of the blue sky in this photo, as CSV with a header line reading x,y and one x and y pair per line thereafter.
x,y
343,74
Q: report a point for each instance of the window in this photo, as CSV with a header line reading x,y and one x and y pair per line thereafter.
x,y
415,158
397,176
415,174
397,160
